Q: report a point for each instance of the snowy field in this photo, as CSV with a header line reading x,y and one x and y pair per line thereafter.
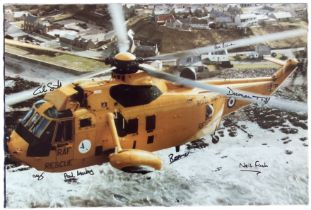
x,y
207,176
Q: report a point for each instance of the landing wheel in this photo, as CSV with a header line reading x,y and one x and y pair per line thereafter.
x,y
215,139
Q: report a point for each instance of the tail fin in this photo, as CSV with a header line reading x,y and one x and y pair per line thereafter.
x,y
279,77
263,86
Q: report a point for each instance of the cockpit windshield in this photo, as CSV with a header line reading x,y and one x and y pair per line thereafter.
x,y
35,123
38,130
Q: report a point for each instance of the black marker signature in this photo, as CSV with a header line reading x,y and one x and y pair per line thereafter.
x,y
43,88
72,177
38,176
177,157
264,99
69,177
82,173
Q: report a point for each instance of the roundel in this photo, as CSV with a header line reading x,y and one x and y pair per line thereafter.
x,y
231,102
85,146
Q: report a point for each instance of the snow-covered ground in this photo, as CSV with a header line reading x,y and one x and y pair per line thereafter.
x,y
207,176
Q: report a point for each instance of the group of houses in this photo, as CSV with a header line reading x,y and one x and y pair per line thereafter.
x,y
36,26
221,16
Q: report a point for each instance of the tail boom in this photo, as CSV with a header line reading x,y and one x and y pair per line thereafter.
x,y
263,86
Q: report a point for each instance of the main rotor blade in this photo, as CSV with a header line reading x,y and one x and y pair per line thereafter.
x,y
270,101
29,94
231,45
119,26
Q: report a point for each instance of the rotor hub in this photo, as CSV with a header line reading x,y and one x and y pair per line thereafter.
x,y
125,63
125,56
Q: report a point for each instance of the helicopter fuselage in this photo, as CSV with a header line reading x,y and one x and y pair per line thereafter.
x,y
70,128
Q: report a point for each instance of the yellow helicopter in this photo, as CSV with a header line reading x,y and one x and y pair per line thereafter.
x,y
123,120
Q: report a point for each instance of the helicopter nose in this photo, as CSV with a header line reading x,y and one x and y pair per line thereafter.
x,y
17,146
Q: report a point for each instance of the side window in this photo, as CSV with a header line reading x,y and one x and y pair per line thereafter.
x,y
85,122
150,123
124,126
64,131
209,111
132,126
150,139
67,130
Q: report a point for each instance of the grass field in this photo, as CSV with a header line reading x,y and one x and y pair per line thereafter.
x,y
75,63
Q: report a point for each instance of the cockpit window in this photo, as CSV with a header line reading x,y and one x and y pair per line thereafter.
x,y
134,95
31,122
39,103
36,124
53,113
64,131
40,126
27,116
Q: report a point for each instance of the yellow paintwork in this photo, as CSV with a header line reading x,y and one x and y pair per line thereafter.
x,y
61,97
134,157
180,114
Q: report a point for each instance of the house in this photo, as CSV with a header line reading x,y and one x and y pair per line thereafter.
x,y
224,17
146,51
34,24
30,23
142,50
77,41
219,16
261,19
233,10
245,20
43,27
281,16
162,19
215,57
67,39
100,38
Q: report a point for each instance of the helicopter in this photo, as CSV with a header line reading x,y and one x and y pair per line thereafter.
x,y
140,110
